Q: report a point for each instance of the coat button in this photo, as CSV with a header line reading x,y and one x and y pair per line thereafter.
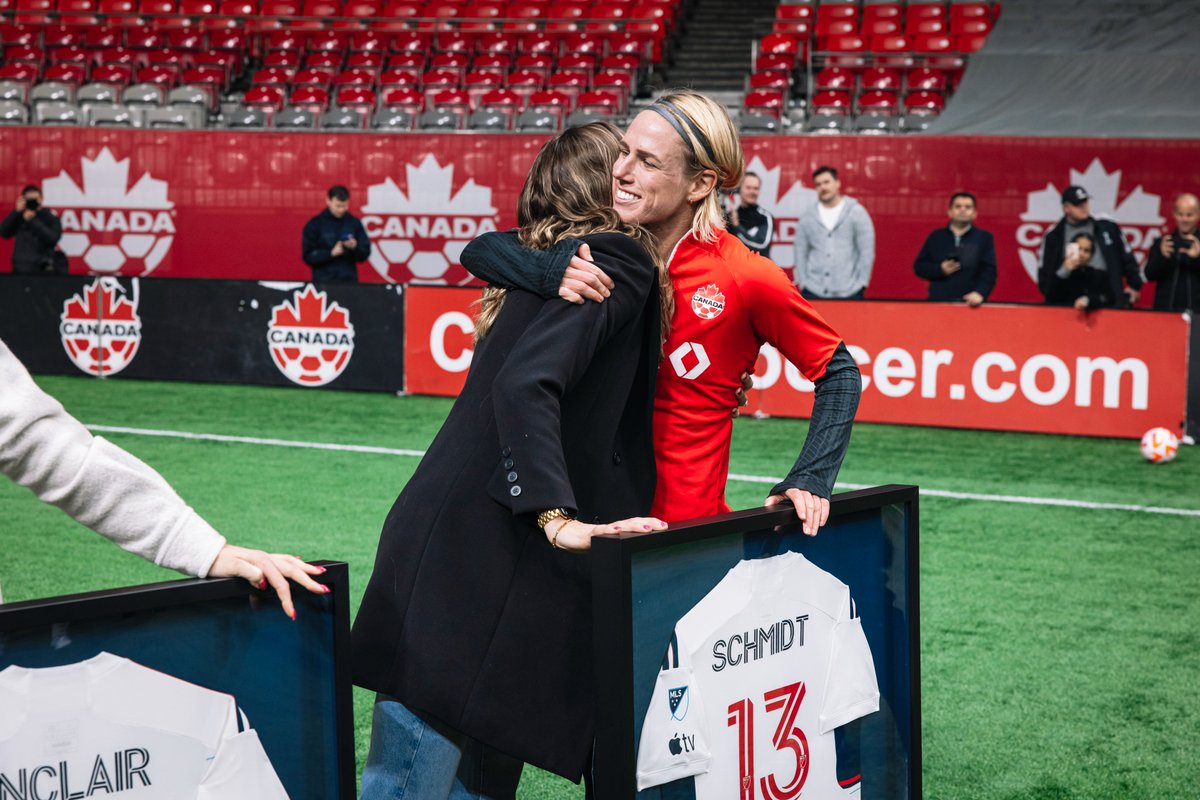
x,y
515,491
616,458
508,463
512,477
506,452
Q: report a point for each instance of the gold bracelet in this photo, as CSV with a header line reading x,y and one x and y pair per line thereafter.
x,y
558,530
547,516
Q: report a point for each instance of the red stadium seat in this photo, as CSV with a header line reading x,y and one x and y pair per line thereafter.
x,y
437,79
412,42
358,98
879,27
925,80
25,54
451,62
115,74
59,36
20,73
621,63
842,44
496,42
619,84
209,75
361,8
268,98
523,17
404,98
599,102
120,13
415,61
765,101
371,62
310,98
145,39
590,43
34,12
238,8
188,39
585,62
774,63
354,77
837,27
770,80
313,76
880,78
526,80
197,8
480,82
645,48
883,11
539,43
70,74
797,28
493,61
328,41
970,27
455,100
555,103
834,78
832,102
606,18
273,76
924,103
794,11
76,13
970,42
69,55
779,45
926,27
453,42
161,76
368,42
933,44
231,40
918,12
572,83
878,102
13,34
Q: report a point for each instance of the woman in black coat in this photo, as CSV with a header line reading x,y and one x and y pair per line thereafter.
x,y
475,628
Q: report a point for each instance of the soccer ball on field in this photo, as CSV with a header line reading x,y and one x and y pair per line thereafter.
x,y
1159,445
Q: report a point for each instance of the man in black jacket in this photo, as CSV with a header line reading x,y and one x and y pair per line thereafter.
x,y
959,261
1111,276
334,241
35,231
1174,260
749,221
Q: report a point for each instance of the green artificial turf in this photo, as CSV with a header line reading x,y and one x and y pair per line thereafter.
x,y
1059,646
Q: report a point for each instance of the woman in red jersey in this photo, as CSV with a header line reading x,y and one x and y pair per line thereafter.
x,y
676,157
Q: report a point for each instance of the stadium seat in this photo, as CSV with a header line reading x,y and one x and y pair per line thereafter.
x,y
17,91
194,41
580,62
325,60
355,77
400,77
834,78
407,60
523,17
168,118
536,121
450,62
164,76
392,119
144,95
501,62
357,98
115,74
925,79
877,102
827,124
273,76
193,100
569,83
13,112
926,27
765,101
314,99
539,43
114,116
583,116
599,103
479,82
286,60
880,78
438,120
831,103
487,119
586,43
779,45
144,39
97,94
880,27
321,78
268,99
69,54
757,124
842,44
876,123
924,103
59,36
403,99
553,102
837,27
51,92
933,43
72,74
243,117
769,80
57,113
970,42
536,62
369,62
504,101
25,74
295,119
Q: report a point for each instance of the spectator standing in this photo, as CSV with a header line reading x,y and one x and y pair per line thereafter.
x,y
749,221
1174,260
959,260
835,243
1117,280
334,241
35,231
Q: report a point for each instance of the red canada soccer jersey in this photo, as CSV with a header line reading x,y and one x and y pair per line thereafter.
x,y
729,301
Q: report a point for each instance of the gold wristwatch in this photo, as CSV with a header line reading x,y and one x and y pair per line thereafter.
x,y
544,518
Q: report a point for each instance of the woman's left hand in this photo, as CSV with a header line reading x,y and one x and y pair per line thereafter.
x,y
261,569
577,536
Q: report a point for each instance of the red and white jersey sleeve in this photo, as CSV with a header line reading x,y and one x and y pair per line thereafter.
x,y
110,726
729,301
758,675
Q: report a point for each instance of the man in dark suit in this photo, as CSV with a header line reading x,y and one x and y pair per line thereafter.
x,y
959,260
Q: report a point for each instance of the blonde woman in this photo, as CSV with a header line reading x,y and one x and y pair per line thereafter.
x,y
475,629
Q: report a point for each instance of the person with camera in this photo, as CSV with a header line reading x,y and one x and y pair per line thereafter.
x,y
35,231
959,260
1174,260
749,221
1116,281
334,241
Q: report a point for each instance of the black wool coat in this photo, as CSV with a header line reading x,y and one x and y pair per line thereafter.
x,y
470,616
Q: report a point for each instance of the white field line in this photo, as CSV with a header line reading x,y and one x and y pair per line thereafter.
x,y
392,451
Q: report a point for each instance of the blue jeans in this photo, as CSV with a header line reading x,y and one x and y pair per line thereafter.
x,y
415,759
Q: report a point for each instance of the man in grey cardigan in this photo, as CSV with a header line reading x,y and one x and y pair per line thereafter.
x,y
835,243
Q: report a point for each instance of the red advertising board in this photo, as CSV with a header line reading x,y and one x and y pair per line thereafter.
x,y
227,204
997,367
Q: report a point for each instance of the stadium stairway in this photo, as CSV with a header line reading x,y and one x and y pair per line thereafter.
x,y
711,53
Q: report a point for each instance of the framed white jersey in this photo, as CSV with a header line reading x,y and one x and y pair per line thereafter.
x,y
756,678
108,726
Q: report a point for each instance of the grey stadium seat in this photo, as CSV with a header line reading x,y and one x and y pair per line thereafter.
x,y
13,112
538,121
192,100
757,124
243,117
143,94
827,124
56,113
392,119
96,93
14,90
341,119
577,118
295,119
488,120
876,123
108,116
438,120
169,117
51,91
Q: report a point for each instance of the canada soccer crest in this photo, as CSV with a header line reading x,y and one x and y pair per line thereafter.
x,y
100,329
112,226
418,237
708,302
310,338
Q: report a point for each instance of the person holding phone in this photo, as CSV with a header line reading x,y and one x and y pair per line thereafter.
x,y
1112,276
334,242
1174,260
959,260
35,231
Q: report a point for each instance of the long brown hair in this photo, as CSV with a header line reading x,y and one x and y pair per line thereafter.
x,y
568,193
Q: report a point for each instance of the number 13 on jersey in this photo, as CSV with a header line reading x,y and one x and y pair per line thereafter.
x,y
787,736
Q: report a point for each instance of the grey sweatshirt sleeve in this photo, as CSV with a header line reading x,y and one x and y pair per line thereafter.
x,y
48,451
834,406
864,245
499,259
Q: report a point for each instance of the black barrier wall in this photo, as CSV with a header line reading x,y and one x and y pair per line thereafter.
x,y
343,336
